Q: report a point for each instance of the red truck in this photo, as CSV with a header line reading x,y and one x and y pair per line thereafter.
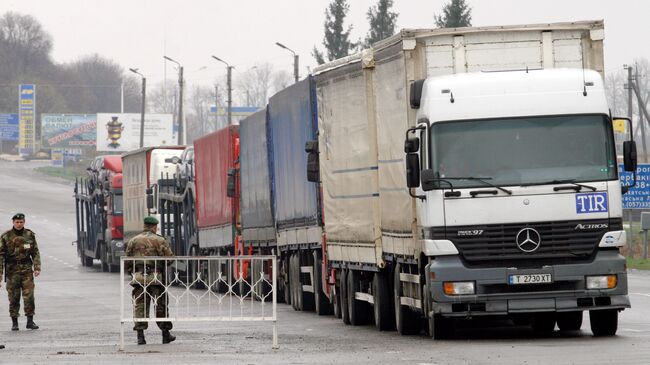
x,y
99,207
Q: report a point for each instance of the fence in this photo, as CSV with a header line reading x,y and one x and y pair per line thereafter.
x,y
200,289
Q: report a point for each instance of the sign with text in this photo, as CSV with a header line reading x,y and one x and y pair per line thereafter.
x,y
68,130
121,132
9,128
639,196
26,113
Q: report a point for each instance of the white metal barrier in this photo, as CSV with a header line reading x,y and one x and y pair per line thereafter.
x,y
200,289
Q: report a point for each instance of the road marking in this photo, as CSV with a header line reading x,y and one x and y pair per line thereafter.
x,y
642,294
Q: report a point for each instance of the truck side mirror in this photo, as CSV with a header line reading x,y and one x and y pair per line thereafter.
x,y
411,145
429,180
416,93
149,198
313,161
231,186
629,155
412,170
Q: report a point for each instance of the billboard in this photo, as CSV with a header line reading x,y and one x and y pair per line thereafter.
x,y
68,130
121,132
9,127
27,110
639,196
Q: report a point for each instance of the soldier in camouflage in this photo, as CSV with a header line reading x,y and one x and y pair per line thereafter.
x,y
148,278
21,262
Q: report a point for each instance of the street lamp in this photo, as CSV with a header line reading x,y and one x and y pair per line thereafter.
x,y
180,99
229,87
144,93
295,60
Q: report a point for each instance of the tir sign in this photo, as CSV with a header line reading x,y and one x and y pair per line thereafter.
x,y
591,203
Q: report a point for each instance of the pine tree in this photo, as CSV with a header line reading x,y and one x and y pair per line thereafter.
x,y
455,14
336,41
382,21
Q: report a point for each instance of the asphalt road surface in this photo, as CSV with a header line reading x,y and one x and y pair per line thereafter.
x,y
78,311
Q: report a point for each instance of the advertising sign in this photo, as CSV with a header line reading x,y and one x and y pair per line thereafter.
x,y
121,132
9,127
27,111
57,157
639,196
68,130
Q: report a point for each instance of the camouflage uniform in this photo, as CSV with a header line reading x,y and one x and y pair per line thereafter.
x,y
19,251
145,287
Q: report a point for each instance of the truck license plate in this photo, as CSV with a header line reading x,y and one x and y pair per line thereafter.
x,y
530,279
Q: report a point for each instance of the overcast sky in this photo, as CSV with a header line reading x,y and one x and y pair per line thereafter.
x,y
136,33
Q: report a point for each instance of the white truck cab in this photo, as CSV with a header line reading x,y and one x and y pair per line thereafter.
x,y
519,201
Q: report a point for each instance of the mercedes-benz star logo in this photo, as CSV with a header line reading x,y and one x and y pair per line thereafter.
x,y
528,240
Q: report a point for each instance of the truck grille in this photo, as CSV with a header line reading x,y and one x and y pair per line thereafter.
x,y
561,242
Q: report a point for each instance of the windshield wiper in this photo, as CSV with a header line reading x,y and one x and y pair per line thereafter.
x,y
481,180
576,186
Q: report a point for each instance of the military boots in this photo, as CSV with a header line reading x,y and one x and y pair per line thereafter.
x,y
167,336
14,323
30,323
141,340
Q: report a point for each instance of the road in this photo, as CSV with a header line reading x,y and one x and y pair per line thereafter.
x,y
78,308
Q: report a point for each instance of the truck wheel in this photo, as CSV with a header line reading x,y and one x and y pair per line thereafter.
x,y
321,302
103,254
603,322
336,302
86,261
569,321
286,277
438,327
356,309
384,318
345,315
405,320
544,322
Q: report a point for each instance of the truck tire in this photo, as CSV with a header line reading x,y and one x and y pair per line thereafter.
x,y
336,303
384,317
86,261
603,322
103,254
406,320
569,321
286,279
544,322
345,315
296,285
438,327
356,309
321,302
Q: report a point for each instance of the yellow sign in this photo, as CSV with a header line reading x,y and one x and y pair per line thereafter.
x,y
619,125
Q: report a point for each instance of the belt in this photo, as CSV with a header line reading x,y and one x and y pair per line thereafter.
x,y
19,262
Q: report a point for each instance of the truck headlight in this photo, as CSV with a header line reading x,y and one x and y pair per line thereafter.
x,y
602,282
459,287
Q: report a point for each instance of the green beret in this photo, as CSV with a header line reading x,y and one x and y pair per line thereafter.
x,y
150,220
18,216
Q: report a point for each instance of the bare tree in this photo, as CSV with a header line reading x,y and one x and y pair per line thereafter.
x,y
254,85
281,80
198,118
163,97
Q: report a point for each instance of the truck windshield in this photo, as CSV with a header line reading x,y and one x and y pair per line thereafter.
x,y
516,151
117,204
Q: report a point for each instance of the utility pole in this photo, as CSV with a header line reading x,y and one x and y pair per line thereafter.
x,y
144,93
631,90
180,100
229,68
181,141
229,95
216,107
296,61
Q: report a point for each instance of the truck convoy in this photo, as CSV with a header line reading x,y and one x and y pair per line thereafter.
x,y
98,205
436,176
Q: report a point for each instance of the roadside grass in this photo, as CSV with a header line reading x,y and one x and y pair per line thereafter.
x,y
638,263
70,172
